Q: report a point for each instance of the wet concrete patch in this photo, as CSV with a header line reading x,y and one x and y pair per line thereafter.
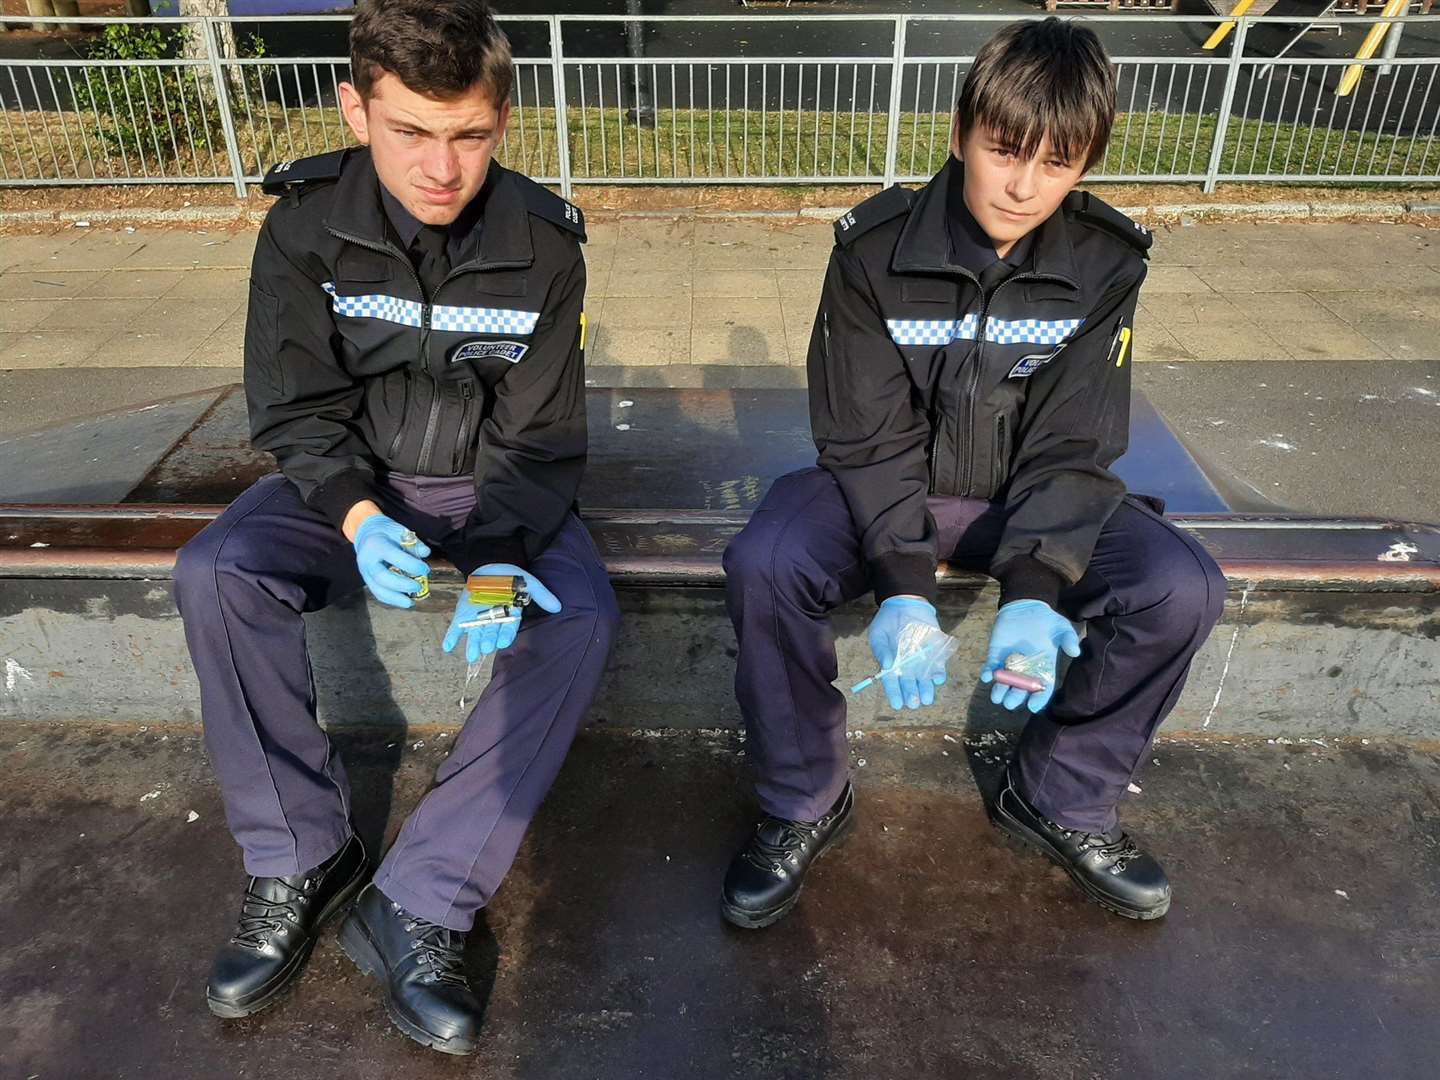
x,y
1304,939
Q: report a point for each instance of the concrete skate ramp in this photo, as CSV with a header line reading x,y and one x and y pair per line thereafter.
x,y
1331,625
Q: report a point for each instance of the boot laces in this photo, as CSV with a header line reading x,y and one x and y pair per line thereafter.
x,y
1120,852
261,916
440,950
764,855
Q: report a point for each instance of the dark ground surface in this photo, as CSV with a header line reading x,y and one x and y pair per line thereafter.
x,y
1304,940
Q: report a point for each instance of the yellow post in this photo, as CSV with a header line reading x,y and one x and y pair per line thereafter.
x,y
1368,47
1223,30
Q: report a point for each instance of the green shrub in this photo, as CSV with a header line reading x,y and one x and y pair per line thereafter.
x,y
157,111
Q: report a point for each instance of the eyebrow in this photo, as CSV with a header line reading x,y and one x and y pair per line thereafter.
x,y
408,124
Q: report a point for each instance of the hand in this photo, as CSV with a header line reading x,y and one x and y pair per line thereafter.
x,y
377,549
1027,627
484,640
904,692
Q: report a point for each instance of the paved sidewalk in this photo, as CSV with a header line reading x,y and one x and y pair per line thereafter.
x,y
669,291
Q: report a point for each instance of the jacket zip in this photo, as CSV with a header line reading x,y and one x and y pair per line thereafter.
x,y
965,445
998,464
466,393
427,444
404,408
967,456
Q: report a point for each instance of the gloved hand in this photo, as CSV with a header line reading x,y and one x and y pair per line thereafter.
x,y
483,640
1027,627
895,612
377,549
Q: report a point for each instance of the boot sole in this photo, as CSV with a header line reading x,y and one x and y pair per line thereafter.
x,y
749,920
266,996
1018,831
356,943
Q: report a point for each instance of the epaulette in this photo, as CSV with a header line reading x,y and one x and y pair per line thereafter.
x,y
542,202
876,210
289,175
1093,211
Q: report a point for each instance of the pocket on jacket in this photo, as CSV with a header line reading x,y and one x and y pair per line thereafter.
x,y
262,340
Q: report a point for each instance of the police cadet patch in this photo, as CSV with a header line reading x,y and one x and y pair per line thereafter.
x,y
484,350
292,175
1028,365
1100,214
876,210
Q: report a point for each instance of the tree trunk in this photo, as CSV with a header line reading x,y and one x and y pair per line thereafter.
x,y
140,9
224,32
53,7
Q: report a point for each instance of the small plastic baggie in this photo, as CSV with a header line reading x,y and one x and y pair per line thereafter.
x,y
921,652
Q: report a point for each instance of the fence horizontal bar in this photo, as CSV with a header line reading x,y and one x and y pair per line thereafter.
x,y
664,120
178,61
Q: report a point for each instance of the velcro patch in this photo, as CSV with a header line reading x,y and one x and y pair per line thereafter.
x,y
484,350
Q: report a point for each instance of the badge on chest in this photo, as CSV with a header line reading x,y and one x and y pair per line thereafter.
x,y
485,350
1028,365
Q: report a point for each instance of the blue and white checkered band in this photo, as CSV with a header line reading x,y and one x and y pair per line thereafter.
x,y
1029,331
483,320
376,306
464,320
932,331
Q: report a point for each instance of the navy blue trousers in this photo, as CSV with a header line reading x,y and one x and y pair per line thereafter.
x,y
242,586
1149,598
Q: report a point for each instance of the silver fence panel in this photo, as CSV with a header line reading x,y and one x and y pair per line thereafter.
x,y
880,114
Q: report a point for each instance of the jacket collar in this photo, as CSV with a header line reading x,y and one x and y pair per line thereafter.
x,y
499,206
924,245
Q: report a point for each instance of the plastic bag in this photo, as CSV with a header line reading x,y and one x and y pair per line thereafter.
x,y
921,653
1032,673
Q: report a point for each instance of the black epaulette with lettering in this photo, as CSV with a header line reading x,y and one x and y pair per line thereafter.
x,y
544,203
294,175
1093,211
876,210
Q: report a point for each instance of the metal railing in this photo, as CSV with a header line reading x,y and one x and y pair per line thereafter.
x,y
872,113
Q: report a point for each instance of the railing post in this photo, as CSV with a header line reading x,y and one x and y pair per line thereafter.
x,y
897,77
562,116
1232,76
222,105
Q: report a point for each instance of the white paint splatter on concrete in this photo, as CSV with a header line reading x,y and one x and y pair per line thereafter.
x,y
13,674
1400,551
150,795
1342,894
191,817
622,427
625,404
1277,442
1229,655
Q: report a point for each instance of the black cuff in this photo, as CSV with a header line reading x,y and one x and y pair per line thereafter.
x,y
335,495
1027,578
470,554
898,574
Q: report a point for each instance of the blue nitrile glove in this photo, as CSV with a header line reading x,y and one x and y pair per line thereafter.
x,y
894,613
483,640
377,549
1027,627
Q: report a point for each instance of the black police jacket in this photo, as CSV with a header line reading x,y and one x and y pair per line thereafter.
x,y
351,370
920,384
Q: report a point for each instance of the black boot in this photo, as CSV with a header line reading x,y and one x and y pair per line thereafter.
x,y
1114,873
280,918
764,879
420,964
